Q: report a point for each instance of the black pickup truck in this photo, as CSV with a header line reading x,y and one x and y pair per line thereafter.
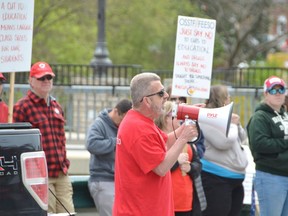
x,y
23,171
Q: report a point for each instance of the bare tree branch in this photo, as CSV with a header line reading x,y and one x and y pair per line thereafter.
x,y
242,27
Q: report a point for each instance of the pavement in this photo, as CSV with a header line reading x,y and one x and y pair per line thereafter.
x,y
87,212
82,212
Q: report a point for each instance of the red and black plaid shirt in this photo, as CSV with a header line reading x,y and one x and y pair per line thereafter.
x,y
50,121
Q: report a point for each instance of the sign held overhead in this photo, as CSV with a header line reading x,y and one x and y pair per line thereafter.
x,y
193,57
16,34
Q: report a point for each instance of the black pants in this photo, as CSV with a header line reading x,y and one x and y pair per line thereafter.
x,y
224,195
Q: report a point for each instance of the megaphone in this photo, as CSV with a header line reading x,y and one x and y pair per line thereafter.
x,y
219,118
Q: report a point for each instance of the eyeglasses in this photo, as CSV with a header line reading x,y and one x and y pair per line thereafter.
x,y
274,91
48,77
160,94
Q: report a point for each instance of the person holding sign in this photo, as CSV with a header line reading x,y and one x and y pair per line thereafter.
x,y
43,111
3,105
224,161
178,100
145,154
268,140
184,171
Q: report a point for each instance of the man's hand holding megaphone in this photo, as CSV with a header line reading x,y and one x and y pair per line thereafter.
x,y
188,132
215,117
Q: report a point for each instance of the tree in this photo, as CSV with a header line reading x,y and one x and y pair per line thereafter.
x,y
145,35
243,28
64,31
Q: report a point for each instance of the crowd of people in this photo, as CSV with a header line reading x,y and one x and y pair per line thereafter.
x,y
143,161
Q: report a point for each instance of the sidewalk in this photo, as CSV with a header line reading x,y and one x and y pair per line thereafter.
x,y
87,212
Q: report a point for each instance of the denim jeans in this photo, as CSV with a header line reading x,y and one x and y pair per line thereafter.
x,y
272,191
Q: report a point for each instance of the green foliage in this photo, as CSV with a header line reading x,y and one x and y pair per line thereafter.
x,y
65,31
219,53
144,35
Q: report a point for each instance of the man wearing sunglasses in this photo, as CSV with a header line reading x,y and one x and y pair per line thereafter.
x,y
145,154
268,140
42,110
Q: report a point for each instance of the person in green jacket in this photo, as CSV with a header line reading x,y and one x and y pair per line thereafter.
x,y
268,139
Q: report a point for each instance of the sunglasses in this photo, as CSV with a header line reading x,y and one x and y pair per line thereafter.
x,y
274,91
160,94
44,78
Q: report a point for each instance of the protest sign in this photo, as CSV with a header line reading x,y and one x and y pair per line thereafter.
x,y
16,33
193,57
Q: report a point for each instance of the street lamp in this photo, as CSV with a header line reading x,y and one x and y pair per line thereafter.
x,y
101,54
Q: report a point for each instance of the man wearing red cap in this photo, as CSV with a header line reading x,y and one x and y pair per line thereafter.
x,y
41,109
3,105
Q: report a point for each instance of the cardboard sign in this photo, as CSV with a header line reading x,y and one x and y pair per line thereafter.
x,y
193,57
16,33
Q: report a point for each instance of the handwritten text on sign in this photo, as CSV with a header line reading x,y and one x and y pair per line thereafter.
x,y
16,33
193,57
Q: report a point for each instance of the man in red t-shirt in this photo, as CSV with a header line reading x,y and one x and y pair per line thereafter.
x,y
3,105
145,154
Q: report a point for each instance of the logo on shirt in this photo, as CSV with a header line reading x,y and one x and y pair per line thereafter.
x,y
57,111
118,142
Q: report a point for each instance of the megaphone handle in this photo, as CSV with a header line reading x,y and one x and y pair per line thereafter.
x,y
199,134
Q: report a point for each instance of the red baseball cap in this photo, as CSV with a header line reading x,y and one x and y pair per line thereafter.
x,y
2,77
272,81
40,69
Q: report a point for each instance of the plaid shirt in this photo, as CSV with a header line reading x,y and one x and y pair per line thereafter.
x,y
50,121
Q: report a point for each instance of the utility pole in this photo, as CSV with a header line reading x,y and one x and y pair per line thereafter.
x,y
101,54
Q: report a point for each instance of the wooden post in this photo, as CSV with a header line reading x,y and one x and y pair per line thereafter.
x,y
11,97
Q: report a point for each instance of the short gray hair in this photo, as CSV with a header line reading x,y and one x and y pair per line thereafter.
x,y
140,86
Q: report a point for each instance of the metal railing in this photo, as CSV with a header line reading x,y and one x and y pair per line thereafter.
x,y
120,75
86,75
83,91
251,77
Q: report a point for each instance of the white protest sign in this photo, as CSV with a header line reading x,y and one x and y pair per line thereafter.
x,y
193,57
249,177
16,34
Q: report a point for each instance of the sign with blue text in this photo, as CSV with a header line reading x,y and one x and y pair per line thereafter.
x,y
193,57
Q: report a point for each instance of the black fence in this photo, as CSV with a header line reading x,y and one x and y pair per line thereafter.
x,y
120,75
